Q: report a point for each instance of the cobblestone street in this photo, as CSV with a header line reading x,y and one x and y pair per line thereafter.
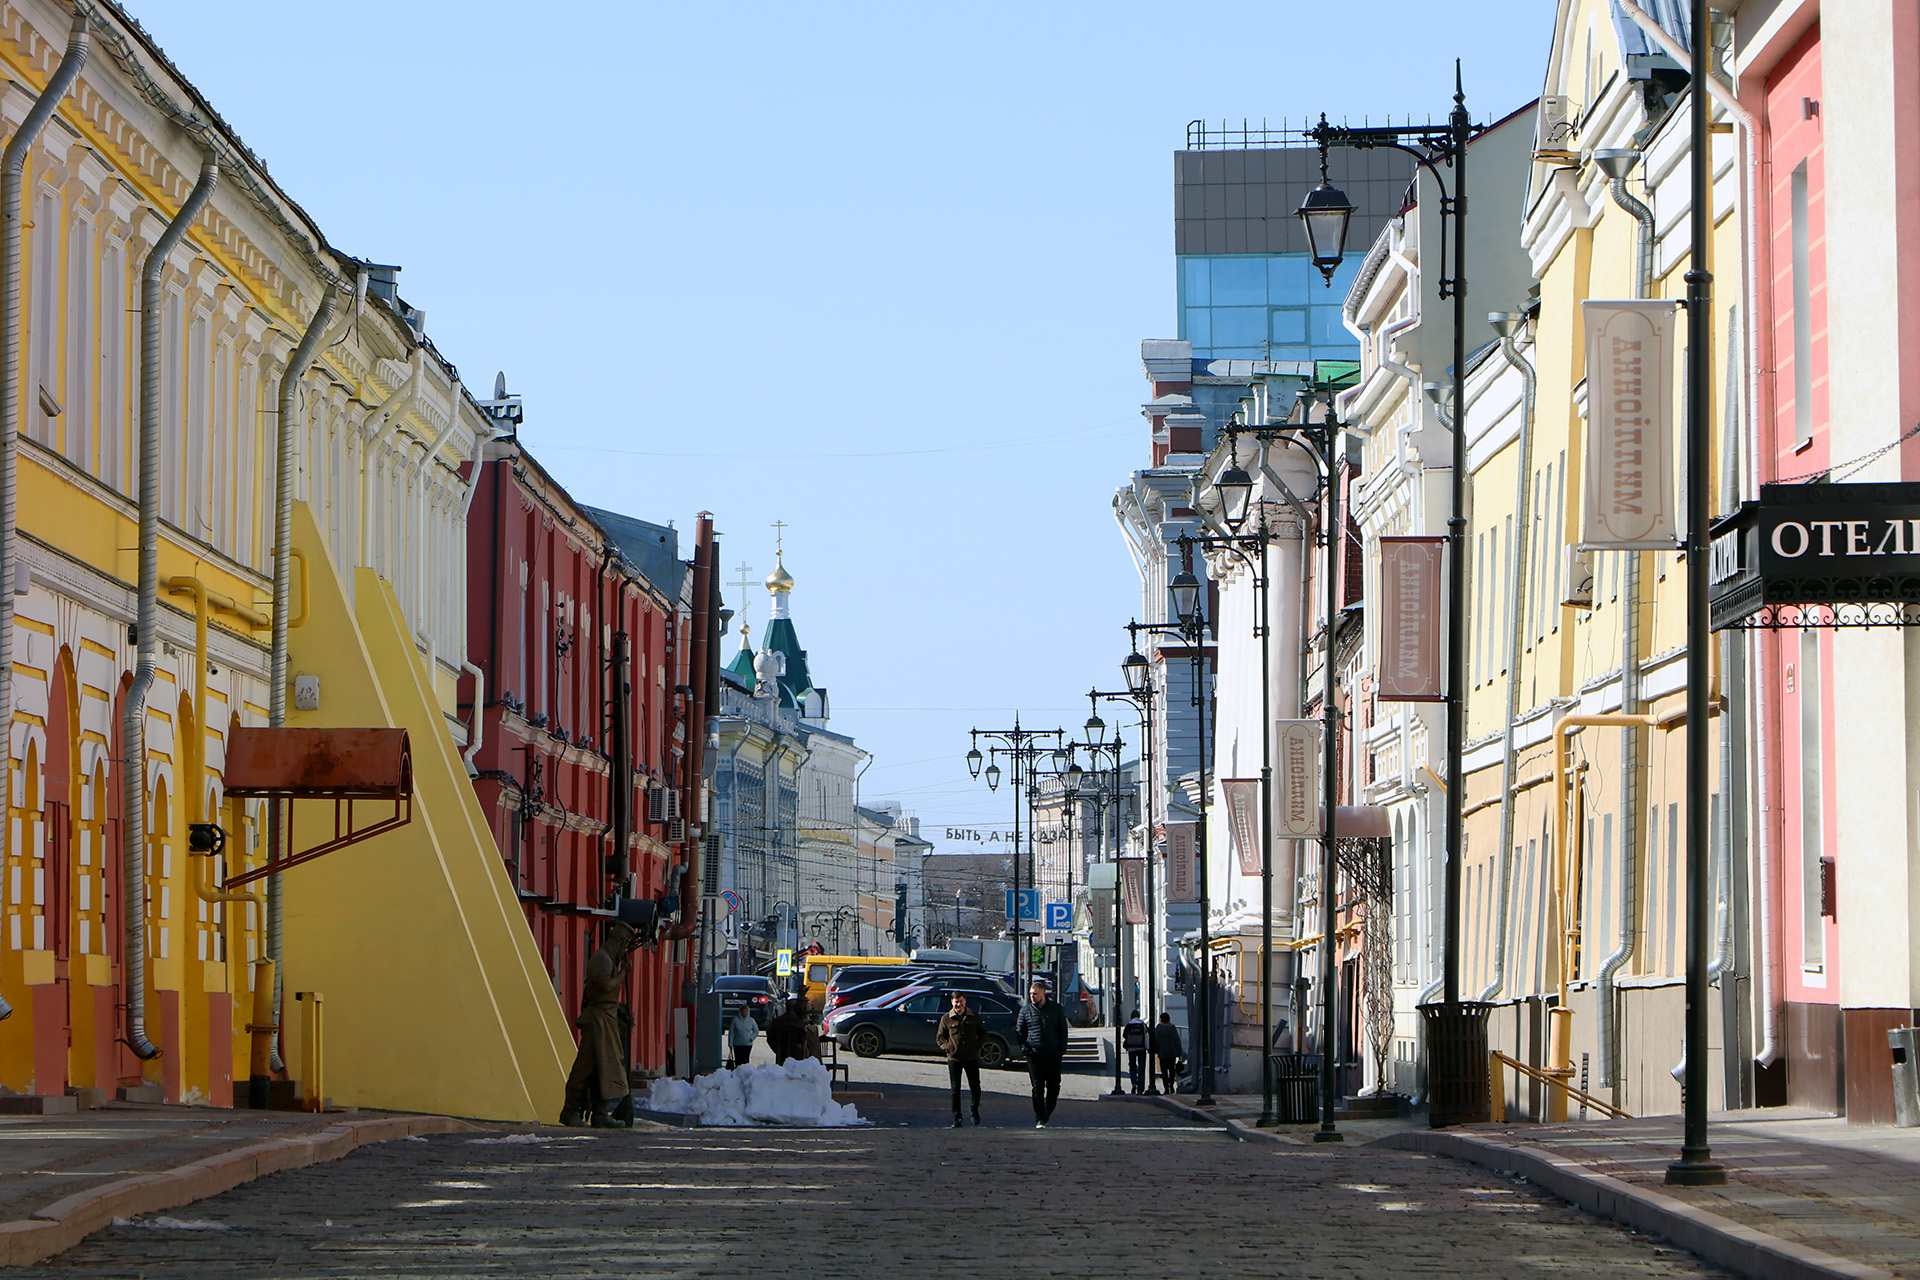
x,y
1109,1188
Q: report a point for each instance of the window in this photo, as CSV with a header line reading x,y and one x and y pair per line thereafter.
x,y
77,438
113,364
1812,794
43,334
1802,307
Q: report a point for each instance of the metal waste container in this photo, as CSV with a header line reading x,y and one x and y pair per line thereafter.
x,y
1296,1087
1905,1043
1457,1088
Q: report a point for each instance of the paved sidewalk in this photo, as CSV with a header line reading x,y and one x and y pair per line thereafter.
x,y
1836,1199
64,1176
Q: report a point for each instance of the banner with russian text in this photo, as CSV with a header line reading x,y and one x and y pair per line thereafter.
x,y
1410,609
1628,499
1133,889
1297,794
1182,886
1243,815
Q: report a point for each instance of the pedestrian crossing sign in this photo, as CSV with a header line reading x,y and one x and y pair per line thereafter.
x,y
783,962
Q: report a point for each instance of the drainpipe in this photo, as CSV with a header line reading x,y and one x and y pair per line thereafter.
x,y
1505,323
702,664
477,728
133,726
12,174
1616,165
297,365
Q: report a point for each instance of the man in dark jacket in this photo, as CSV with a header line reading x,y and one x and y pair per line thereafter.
x,y
1166,1047
1133,1037
1042,1028
787,1034
960,1035
598,1093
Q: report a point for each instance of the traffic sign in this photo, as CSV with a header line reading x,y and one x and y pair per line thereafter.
x,y
1054,938
1029,901
732,900
1059,917
783,962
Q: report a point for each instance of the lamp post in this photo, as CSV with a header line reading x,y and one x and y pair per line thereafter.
x,y
1457,1072
1191,628
1021,747
1138,673
1235,487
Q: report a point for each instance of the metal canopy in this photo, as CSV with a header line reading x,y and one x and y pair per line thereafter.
x,y
341,766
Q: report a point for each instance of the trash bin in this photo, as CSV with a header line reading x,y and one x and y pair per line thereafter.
x,y
1457,1090
1296,1087
1905,1043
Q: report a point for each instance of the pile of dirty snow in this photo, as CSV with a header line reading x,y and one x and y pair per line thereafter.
x,y
796,1092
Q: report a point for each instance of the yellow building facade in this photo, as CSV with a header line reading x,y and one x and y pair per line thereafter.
x,y
381,434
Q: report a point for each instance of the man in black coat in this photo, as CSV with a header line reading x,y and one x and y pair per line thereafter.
x,y
1042,1028
1167,1048
1134,1038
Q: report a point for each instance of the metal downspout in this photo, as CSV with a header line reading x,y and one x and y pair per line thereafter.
x,y
133,726
297,365
1505,323
702,664
1606,1018
12,175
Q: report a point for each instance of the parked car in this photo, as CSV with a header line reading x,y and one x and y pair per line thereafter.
x,y
905,1022
972,983
760,996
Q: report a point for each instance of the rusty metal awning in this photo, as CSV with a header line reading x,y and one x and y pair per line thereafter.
x,y
338,765
319,764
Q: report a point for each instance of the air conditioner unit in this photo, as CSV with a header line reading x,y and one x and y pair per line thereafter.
x,y
673,804
1579,579
676,831
656,803
1559,127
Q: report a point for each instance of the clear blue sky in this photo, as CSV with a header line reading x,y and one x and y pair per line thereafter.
x,y
880,271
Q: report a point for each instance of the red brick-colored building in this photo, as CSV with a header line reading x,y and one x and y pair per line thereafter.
x,y
567,606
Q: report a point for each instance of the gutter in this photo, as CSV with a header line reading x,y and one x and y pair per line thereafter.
x,y
703,652
12,173
297,366
133,724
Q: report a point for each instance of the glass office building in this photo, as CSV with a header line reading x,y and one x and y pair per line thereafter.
x,y
1264,307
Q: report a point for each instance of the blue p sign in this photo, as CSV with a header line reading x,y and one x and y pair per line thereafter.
x,y
1059,917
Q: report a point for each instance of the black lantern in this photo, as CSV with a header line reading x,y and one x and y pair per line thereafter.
x,y
1326,212
1186,596
1096,729
1236,494
1137,671
1074,775
973,762
993,777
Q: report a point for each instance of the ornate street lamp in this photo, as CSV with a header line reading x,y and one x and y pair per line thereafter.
x,y
973,762
1138,672
1326,212
1235,487
993,777
1096,729
1186,596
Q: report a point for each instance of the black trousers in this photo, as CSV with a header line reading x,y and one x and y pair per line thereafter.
x,y
1043,1071
955,1068
741,1054
1137,1068
1168,1072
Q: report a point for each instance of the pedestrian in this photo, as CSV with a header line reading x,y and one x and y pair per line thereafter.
x,y
960,1036
1167,1048
787,1034
1134,1037
1042,1028
598,1093
741,1033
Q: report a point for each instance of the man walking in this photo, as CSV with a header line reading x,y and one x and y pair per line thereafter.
x,y
1133,1037
1167,1048
960,1035
598,1093
1042,1028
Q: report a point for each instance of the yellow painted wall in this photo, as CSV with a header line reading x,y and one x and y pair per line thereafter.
x,y
430,1002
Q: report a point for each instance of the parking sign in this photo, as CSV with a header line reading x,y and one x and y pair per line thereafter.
x,y
1028,902
1059,917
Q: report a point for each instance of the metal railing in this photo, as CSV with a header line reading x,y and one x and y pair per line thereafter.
x,y
1497,1083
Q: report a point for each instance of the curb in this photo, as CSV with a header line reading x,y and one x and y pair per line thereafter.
x,y
67,1222
1714,1239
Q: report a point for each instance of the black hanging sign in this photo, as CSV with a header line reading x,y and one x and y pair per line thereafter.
x,y
1818,555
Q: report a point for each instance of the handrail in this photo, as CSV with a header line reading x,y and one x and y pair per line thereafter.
x,y
1498,1087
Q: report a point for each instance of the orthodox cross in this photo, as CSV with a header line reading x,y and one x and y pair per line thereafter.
x,y
779,536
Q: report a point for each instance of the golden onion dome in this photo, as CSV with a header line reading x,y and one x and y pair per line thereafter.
x,y
780,582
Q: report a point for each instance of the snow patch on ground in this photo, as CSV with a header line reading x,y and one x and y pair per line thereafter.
x,y
524,1140
173,1224
796,1092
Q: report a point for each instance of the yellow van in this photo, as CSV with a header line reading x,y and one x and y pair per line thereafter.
x,y
817,971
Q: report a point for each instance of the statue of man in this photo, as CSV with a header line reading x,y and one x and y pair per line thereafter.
x,y
598,1092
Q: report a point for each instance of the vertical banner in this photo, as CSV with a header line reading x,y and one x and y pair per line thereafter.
x,y
1628,499
1410,573
1182,886
1133,889
1296,778
1243,801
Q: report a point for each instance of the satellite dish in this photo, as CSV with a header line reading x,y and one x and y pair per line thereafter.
x,y
500,385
